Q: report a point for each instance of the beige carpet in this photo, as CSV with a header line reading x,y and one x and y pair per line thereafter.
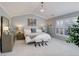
x,y
55,47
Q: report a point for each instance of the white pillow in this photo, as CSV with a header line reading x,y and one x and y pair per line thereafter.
x,y
38,30
28,39
27,31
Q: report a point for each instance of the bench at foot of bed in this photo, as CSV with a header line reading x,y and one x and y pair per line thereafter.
x,y
42,43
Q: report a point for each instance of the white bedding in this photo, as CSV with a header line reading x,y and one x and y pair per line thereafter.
x,y
28,32
38,38
42,37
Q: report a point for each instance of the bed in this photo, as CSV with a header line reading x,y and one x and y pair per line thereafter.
x,y
37,36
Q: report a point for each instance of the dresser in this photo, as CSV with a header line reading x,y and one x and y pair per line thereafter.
x,y
7,42
20,36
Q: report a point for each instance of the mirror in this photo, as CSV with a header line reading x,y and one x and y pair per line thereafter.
x,y
5,26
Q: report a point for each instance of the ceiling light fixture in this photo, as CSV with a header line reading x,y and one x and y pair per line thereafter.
x,y
42,7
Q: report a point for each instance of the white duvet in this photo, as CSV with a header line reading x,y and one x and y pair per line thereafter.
x,y
39,38
42,36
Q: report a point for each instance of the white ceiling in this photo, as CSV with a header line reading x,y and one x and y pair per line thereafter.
x,y
52,9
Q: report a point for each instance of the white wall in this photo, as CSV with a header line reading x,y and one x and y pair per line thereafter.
x,y
3,13
22,20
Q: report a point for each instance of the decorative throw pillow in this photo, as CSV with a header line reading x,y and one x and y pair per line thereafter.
x,y
33,30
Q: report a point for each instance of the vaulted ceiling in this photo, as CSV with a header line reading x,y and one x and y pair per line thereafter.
x,y
52,9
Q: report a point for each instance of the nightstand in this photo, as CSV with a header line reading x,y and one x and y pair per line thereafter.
x,y
20,36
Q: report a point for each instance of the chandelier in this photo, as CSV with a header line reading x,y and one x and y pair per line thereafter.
x,y
42,7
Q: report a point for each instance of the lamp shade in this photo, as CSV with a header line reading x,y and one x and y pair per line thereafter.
x,y
5,28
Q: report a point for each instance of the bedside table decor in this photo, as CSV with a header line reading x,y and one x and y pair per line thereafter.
x,y
19,32
20,36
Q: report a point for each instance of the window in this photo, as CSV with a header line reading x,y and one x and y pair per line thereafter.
x,y
62,25
59,27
